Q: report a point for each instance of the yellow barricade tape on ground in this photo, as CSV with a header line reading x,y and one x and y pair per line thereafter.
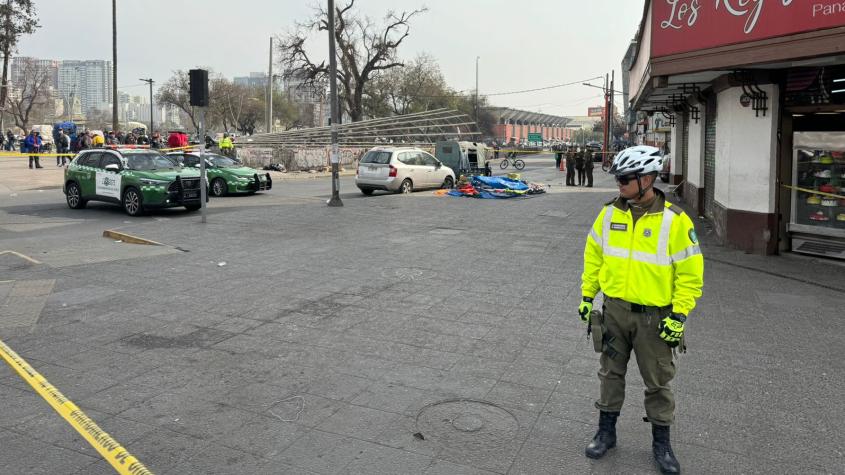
x,y
815,192
119,458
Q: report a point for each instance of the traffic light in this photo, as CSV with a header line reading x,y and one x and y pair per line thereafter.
x,y
198,85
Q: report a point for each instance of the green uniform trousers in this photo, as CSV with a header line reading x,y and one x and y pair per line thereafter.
x,y
625,331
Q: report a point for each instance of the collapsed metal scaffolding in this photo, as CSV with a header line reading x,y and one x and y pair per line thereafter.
x,y
423,128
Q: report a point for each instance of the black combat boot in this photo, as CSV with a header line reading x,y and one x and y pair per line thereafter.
x,y
605,438
662,449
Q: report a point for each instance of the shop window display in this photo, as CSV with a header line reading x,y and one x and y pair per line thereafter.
x,y
819,194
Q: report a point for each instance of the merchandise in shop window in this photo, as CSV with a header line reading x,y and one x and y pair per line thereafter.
x,y
823,172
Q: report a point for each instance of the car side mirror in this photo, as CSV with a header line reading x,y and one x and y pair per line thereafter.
x,y
437,165
111,167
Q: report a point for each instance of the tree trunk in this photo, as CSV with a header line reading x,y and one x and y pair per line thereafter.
x,y
4,84
4,89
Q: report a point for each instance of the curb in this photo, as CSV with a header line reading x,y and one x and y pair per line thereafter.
x,y
128,238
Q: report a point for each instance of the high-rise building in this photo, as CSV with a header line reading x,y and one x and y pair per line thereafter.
x,y
310,99
253,80
18,70
88,80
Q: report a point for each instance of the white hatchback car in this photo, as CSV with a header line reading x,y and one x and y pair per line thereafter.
x,y
401,170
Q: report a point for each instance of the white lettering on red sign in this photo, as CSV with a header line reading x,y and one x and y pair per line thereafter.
x,y
750,9
820,9
687,11
682,12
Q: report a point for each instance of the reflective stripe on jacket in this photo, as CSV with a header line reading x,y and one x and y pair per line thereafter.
x,y
655,262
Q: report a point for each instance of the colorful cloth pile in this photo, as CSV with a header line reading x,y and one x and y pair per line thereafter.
x,y
496,187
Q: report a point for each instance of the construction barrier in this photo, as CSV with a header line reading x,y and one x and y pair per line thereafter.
x,y
120,459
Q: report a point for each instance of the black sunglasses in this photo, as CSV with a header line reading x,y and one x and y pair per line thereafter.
x,y
624,180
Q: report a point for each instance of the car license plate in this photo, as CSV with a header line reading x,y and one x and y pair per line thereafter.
x,y
192,194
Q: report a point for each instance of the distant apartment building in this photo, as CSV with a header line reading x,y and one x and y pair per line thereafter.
x,y
19,65
88,81
258,79
311,100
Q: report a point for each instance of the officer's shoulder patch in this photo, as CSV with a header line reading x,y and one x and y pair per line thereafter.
x,y
693,236
675,208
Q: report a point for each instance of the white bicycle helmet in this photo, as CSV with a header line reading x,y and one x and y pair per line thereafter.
x,y
640,160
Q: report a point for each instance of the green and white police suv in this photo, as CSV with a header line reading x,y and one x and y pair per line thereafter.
x,y
226,176
137,179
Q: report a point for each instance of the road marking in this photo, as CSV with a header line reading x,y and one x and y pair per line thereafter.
x,y
120,459
128,238
18,254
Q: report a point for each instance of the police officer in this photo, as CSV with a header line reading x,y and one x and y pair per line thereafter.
x,y
227,148
642,253
579,165
570,166
589,163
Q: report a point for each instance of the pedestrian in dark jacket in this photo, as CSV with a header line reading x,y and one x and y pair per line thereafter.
x,y
62,146
155,140
10,141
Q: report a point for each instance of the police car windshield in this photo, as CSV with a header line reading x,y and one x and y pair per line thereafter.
x,y
222,162
148,161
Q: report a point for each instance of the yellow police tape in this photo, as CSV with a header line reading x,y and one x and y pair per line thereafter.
x,y
22,154
119,458
520,152
815,192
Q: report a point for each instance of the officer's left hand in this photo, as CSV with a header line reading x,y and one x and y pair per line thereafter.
x,y
672,329
585,308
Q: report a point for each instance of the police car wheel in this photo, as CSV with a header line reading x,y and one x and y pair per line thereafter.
x,y
219,187
133,203
74,196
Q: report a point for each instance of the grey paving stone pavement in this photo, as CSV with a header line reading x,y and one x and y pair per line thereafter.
x,y
329,332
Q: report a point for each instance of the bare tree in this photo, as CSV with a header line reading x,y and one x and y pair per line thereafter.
x,y
417,87
18,18
364,50
31,96
176,92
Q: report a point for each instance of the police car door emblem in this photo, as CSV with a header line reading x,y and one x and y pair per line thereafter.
x,y
647,233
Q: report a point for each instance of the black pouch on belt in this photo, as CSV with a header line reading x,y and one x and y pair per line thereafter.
x,y
597,330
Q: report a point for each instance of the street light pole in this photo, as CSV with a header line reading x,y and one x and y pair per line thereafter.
x,y
114,118
270,91
476,88
335,199
150,82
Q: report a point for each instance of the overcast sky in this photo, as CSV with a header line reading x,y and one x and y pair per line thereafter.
x,y
522,44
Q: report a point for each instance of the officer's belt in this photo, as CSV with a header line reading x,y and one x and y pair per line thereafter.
x,y
638,308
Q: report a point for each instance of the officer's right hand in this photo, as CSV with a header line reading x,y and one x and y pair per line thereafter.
x,y
585,308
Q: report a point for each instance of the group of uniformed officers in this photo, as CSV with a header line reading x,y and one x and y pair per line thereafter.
x,y
579,161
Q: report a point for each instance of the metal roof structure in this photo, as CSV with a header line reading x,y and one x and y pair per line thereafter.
x,y
423,128
507,115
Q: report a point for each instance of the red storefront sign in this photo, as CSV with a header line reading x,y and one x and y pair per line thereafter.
x,y
679,26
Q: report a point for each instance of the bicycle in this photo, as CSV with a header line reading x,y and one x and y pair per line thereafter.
x,y
511,159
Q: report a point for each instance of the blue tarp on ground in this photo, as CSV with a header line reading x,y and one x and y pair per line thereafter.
x,y
498,183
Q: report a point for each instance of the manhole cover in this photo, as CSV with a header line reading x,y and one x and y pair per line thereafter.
x,y
466,424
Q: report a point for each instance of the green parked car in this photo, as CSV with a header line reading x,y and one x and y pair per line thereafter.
x,y
137,179
225,175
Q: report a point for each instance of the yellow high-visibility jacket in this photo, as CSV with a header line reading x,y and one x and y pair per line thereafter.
x,y
656,262
226,142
